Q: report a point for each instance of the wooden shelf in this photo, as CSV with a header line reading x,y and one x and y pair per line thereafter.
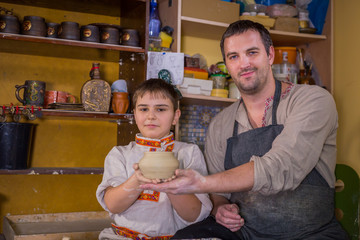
x,y
214,30
66,42
87,114
79,114
52,171
197,99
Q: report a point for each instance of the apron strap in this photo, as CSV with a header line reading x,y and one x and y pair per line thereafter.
x,y
277,96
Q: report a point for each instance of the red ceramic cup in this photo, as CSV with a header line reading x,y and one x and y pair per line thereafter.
x,y
58,97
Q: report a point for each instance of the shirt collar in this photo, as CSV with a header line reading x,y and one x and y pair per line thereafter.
x,y
164,144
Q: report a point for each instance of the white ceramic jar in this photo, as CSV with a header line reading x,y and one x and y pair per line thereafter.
x,y
233,90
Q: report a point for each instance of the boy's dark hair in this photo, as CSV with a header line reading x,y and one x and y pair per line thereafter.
x,y
242,26
157,87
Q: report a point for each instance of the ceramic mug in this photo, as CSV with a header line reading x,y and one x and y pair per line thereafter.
x,y
34,93
120,102
58,97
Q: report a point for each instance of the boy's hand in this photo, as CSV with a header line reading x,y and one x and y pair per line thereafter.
x,y
142,180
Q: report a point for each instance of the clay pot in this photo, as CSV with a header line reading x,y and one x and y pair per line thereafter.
x,y
120,102
110,35
69,30
52,29
130,37
158,165
34,25
9,23
90,33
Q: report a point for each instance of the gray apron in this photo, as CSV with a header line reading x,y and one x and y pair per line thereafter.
x,y
304,213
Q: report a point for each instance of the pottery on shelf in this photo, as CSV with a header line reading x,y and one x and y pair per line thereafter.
x,y
158,165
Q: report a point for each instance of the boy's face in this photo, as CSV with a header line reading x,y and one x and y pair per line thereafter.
x,y
154,115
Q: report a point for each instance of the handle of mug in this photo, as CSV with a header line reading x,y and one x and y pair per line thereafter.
x,y
71,98
18,88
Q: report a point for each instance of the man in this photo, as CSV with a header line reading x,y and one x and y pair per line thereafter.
x,y
274,151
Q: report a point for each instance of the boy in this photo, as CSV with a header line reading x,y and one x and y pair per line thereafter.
x,y
149,214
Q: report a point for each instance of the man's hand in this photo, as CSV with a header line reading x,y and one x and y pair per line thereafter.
x,y
186,181
228,216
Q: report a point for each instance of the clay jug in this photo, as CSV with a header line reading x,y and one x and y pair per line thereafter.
x,y
158,165
120,102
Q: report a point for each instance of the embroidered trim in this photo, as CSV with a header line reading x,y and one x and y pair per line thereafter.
x,y
164,144
126,232
270,99
149,196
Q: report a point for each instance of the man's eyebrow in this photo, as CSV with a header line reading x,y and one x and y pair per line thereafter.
x,y
248,50
253,48
230,53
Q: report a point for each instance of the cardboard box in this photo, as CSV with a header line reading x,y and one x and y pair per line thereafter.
x,y
213,10
196,73
196,86
267,21
56,226
287,24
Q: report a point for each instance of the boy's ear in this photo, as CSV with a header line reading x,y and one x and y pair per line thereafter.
x,y
176,116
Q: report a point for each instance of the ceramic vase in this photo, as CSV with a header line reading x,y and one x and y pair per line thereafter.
x,y
120,102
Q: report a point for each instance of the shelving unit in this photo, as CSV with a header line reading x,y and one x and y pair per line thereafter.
x,y
27,38
319,46
52,171
64,65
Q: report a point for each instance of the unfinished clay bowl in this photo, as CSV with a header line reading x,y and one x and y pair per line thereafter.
x,y
158,165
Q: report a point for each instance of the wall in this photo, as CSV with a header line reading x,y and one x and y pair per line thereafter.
x,y
347,80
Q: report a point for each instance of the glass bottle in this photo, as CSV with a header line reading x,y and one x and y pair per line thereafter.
x,y
285,66
154,22
309,79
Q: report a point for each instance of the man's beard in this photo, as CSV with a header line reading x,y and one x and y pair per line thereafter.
x,y
249,86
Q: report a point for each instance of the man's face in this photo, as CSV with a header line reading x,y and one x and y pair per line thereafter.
x,y
247,61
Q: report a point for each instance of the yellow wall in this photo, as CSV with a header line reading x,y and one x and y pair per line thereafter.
x,y
58,142
347,80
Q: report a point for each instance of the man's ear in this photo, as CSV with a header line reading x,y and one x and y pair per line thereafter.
x,y
271,55
176,116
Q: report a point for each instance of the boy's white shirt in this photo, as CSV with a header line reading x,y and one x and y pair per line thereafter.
x,y
153,218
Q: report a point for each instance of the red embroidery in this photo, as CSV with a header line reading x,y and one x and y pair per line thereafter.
x,y
270,99
149,196
126,232
155,143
